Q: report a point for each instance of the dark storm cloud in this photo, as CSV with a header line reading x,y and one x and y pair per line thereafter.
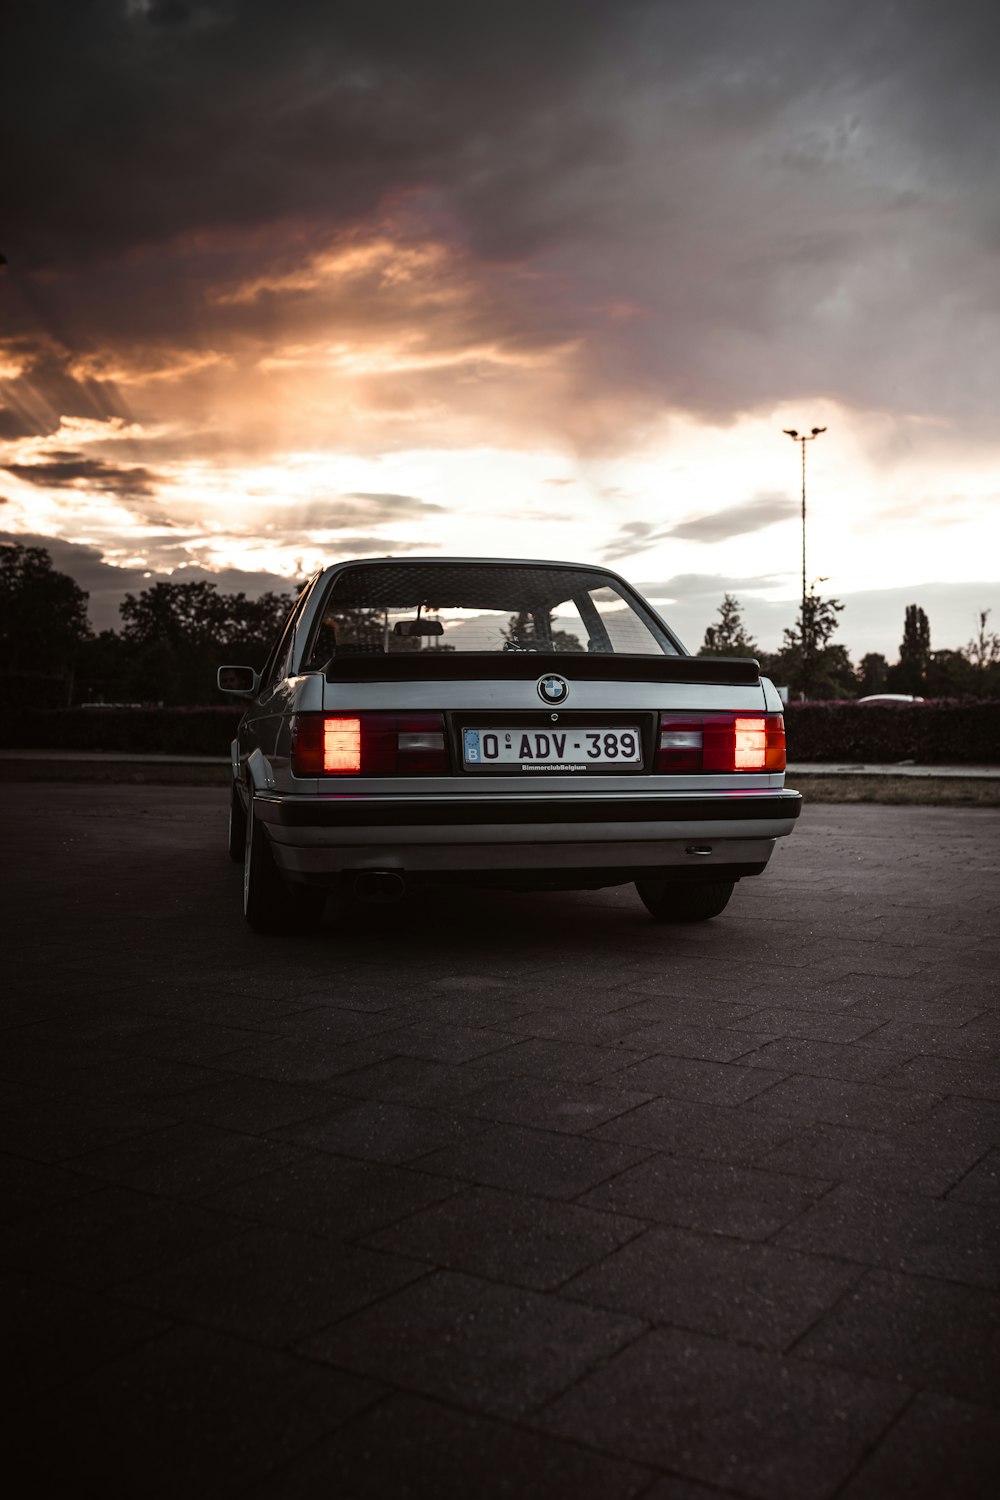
x,y
717,526
727,204
69,470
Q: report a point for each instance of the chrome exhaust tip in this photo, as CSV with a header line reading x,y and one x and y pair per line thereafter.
x,y
379,887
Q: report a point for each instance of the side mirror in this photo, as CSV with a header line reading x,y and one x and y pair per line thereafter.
x,y
242,680
418,627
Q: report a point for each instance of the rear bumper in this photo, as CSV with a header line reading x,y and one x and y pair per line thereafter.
x,y
324,835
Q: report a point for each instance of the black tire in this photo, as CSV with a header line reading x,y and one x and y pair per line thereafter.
x,y
269,904
237,826
671,901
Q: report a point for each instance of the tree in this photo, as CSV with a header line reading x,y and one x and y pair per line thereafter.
x,y
910,673
949,675
873,672
729,636
984,648
983,655
43,613
808,661
175,635
531,630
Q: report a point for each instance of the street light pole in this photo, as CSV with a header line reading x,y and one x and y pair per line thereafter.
x,y
802,438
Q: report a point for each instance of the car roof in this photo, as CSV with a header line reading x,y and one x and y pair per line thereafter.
x,y
486,562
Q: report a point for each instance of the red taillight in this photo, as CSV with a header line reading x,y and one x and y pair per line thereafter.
x,y
721,742
341,747
363,744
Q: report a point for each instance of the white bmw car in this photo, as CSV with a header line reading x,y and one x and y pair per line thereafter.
x,y
528,724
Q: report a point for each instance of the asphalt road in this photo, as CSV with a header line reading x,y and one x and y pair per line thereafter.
x,y
495,1195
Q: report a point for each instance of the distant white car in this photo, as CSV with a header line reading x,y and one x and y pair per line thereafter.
x,y
890,698
524,724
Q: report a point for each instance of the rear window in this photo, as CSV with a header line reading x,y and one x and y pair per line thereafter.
x,y
391,608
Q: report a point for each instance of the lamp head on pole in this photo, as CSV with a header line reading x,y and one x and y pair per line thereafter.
x,y
790,431
817,430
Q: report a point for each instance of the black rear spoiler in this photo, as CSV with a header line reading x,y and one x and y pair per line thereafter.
x,y
518,666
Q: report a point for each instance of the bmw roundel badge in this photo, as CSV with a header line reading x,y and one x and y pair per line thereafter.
x,y
553,689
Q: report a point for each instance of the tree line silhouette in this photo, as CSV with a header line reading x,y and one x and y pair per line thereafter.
x,y
173,636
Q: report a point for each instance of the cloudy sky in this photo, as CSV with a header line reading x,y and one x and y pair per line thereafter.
x,y
293,282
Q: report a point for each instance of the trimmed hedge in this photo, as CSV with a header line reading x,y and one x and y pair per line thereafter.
x,y
940,733
132,731
944,732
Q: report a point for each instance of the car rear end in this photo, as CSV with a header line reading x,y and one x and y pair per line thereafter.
x,y
553,759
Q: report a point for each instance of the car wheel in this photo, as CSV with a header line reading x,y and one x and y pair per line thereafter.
x,y
670,901
269,905
237,826
266,903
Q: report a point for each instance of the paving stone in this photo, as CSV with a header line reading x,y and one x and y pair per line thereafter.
x,y
939,1447
689,1009
842,1027
271,1286
916,1039
305,1059
16,1096
953,1240
974,1121
717,1132
859,1061
701,1082
190,1412
715,1285
412,1449
26,1186
837,1101
743,1419
140,1080
942,1007
709,1196
252,1105
186,1161
410,1080
58,1129
332,1196
549,1104
947,1075
981,1184
377,1131
54,1333
524,1241
454,1043
931,1334
109,1236
493,1348
544,1057
545,1163
916,1159
182,1041
150,973
616,1028
710,1043
684,1489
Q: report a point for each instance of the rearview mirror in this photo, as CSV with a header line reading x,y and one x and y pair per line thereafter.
x,y
242,680
418,627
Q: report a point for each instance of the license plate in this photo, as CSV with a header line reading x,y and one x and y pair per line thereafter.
x,y
553,749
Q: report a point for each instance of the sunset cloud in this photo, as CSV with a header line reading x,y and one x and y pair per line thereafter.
x,y
552,277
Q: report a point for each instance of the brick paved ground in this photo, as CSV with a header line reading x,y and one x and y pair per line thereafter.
x,y
498,1195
